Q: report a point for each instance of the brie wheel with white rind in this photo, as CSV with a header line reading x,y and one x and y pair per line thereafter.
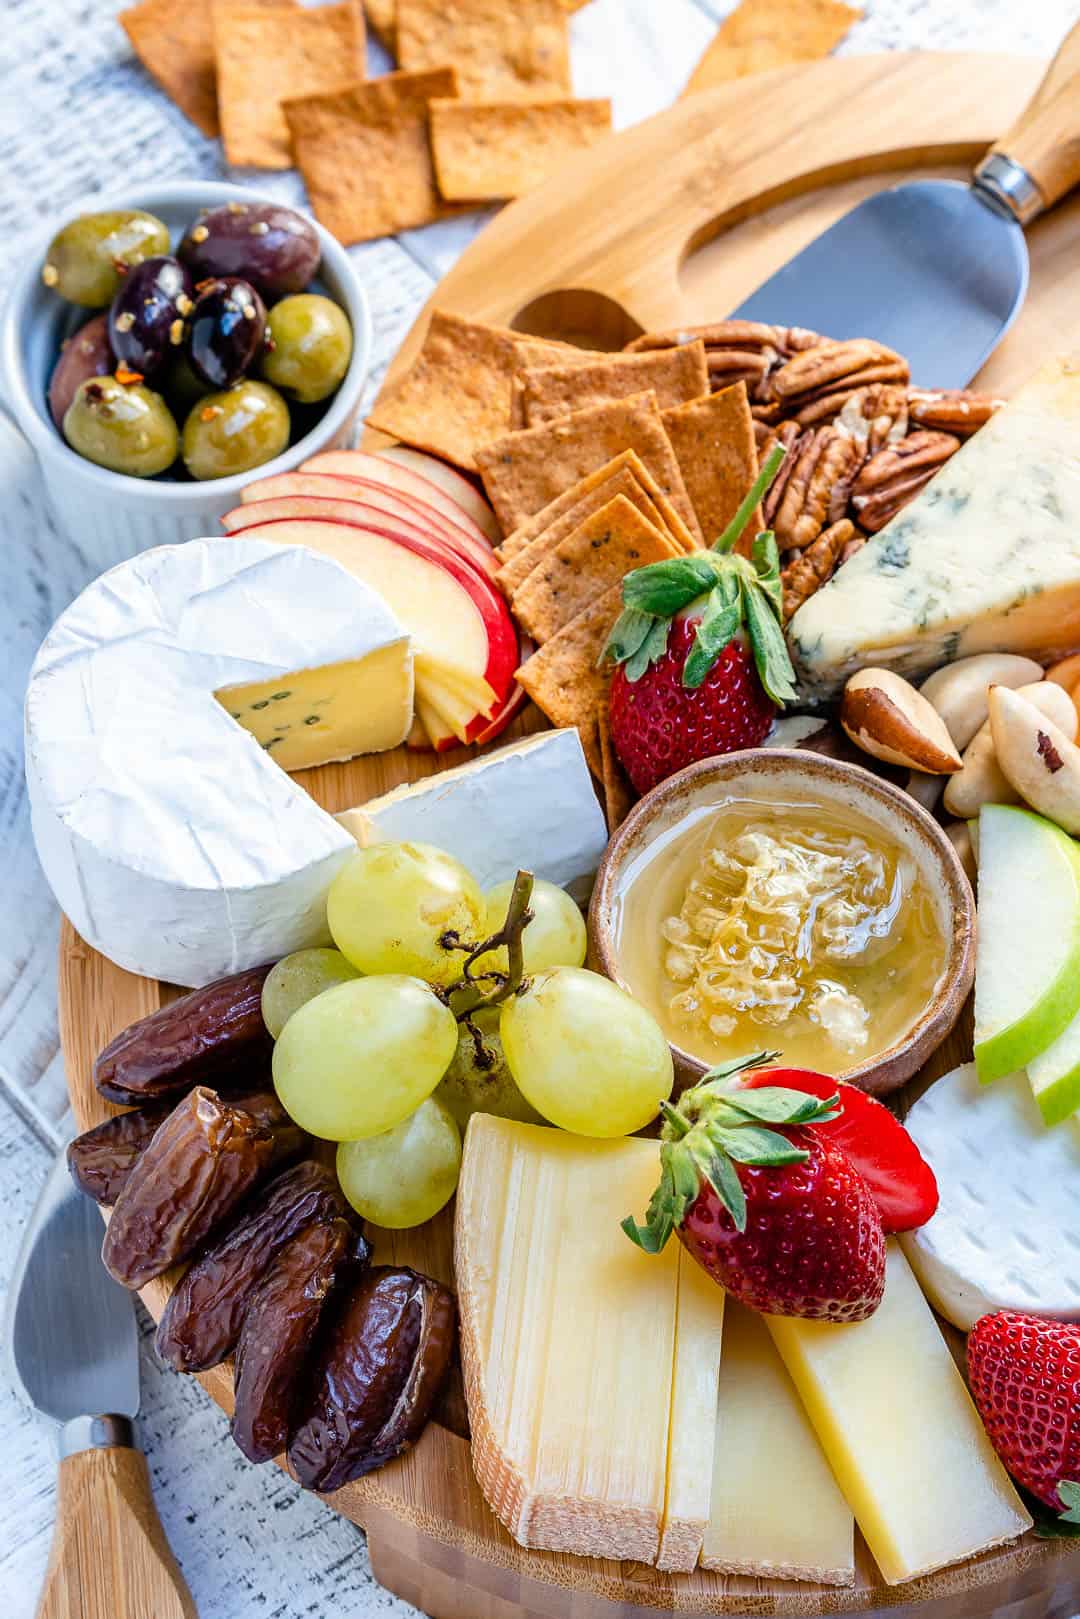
x,y
1006,1235
170,837
529,805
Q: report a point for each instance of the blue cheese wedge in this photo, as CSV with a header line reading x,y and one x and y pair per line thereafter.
x,y
1005,1233
986,559
160,711
529,805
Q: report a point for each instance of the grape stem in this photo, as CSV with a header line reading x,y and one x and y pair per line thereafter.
x,y
470,994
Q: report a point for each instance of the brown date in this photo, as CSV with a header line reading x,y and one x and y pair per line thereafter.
x,y
215,1035
202,1320
197,1167
373,1378
101,1159
278,1332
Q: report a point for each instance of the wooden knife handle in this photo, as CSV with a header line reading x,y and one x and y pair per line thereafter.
x,y
110,1558
1045,140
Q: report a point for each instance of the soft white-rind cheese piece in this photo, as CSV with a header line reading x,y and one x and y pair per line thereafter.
x,y
986,559
1006,1235
174,843
529,805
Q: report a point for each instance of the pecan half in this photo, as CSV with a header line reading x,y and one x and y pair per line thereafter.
x,y
951,410
787,434
878,415
833,367
826,463
816,565
896,474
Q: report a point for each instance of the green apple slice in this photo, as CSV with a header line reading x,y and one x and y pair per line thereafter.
x,y
1027,963
1055,1076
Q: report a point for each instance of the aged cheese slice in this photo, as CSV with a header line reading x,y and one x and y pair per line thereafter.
x,y
897,1424
986,559
567,1338
172,839
531,804
1004,1235
777,1511
699,1324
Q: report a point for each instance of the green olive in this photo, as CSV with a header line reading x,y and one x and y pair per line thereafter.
x,y
87,260
309,347
123,427
236,430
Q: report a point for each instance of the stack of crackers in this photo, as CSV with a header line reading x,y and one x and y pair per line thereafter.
x,y
595,464
482,110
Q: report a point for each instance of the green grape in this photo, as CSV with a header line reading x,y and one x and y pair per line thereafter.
x,y
478,1079
555,937
297,979
585,1054
404,1176
361,1057
397,908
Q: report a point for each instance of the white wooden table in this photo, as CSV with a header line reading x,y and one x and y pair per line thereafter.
x,y
76,112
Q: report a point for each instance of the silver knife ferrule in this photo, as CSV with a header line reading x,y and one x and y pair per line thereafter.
x,y
96,1433
1009,185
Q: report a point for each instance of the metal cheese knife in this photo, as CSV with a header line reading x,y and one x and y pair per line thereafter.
x,y
73,1351
935,268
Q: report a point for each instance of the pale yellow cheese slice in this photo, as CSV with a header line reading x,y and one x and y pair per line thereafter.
x,y
699,1327
336,711
776,1509
902,1436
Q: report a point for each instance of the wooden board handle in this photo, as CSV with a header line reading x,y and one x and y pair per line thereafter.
x,y
110,1558
1045,140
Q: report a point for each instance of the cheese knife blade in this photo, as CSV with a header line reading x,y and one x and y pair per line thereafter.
x,y
938,269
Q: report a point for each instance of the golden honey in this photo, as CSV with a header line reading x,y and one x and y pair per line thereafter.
x,y
800,928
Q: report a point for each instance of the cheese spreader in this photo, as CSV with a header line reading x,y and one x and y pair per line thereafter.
x,y
73,1352
938,269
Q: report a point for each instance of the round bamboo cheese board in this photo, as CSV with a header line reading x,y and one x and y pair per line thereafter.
x,y
669,224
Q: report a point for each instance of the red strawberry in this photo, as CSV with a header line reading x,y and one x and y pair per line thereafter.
x,y
901,1182
773,1210
659,726
702,661
1025,1379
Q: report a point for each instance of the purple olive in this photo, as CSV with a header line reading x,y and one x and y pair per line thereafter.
x,y
146,317
87,354
226,330
274,248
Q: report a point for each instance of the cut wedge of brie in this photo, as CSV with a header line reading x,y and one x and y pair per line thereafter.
x,y
160,709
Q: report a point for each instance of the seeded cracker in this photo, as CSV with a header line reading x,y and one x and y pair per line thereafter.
x,y
502,52
589,493
265,54
714,444
675,375
175,44
619,796
530,352
763,34
599,553
523,472
622,482
562,677
366,157
455,395
495,149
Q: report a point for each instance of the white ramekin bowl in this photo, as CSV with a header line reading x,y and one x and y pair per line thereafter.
x,y
110,515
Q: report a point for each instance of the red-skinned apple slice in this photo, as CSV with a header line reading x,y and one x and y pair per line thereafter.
x,y
392,475
440,736
454,484
513,705
399,508
451,612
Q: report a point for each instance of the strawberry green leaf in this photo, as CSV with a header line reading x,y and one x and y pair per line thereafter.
x,y
774,1104
631,630
1069,1496
766,560
769,647
720,622
650,651
722,1176
749,505
665,588
737,1065
750,1144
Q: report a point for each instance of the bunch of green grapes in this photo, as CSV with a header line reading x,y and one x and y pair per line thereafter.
x,y
387,1046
